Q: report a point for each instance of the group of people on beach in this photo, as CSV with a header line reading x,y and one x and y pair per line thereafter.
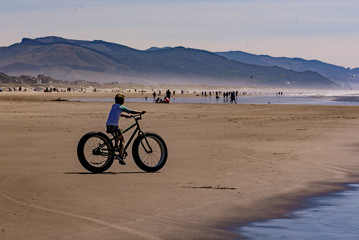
x,y
166,99
229,95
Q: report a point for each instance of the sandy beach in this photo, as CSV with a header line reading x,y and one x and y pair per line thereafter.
x,y
227,165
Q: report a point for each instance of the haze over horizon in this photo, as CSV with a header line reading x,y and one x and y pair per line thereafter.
x,y
321,30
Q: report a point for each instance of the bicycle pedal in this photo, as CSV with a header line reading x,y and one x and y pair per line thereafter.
x,y
120,160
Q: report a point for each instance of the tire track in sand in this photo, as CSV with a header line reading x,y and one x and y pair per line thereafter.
x,y
74,215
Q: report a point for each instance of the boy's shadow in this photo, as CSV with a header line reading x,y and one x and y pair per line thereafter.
x,y
104,173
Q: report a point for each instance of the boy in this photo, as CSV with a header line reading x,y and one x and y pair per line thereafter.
x,y
112,122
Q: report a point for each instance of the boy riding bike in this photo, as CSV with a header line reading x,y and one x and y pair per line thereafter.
x,y
112,123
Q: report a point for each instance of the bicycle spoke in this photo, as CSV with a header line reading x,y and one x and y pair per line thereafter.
x,y
94,153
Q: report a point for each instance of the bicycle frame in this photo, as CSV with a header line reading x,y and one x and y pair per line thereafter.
x,y
138,129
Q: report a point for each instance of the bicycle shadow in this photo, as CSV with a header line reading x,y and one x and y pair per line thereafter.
x,y
103,173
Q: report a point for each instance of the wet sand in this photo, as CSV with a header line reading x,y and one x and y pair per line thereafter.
x,y
228,164
347,99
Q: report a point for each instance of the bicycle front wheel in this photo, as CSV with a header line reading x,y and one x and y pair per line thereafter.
x,y
149,151
95,152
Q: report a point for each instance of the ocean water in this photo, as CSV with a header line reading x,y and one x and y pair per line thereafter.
x,y
332,217
304,100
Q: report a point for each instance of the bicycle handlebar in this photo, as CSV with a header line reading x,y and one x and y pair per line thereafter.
x,y
138,116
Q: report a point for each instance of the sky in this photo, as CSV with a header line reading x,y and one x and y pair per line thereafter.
x,y
326,30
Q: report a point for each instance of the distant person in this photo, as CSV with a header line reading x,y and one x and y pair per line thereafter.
x,y
154,95
233,97
168,93
164,100
217,95
113,119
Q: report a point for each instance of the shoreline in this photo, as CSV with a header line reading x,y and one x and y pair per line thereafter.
x,y
228,165
193,93
294,202
321,214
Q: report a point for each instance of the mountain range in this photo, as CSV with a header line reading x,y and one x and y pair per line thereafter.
x,y
335,73
101,61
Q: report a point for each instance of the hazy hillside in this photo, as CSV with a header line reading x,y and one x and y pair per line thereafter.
x,y
336,73
106,62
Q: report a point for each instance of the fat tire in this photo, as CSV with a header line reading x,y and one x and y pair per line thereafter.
x,y
82,158
136,156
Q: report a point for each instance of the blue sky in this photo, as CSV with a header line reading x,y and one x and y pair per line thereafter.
x,y
311,29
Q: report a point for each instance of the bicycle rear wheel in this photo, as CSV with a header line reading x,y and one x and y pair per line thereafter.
x,y
149,151
95,152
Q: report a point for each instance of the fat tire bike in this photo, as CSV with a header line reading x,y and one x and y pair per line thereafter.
x,y
96,151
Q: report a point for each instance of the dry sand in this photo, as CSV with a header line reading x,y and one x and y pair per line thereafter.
x,y
228,164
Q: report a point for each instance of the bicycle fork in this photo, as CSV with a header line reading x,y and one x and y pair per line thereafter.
x,y
148,149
